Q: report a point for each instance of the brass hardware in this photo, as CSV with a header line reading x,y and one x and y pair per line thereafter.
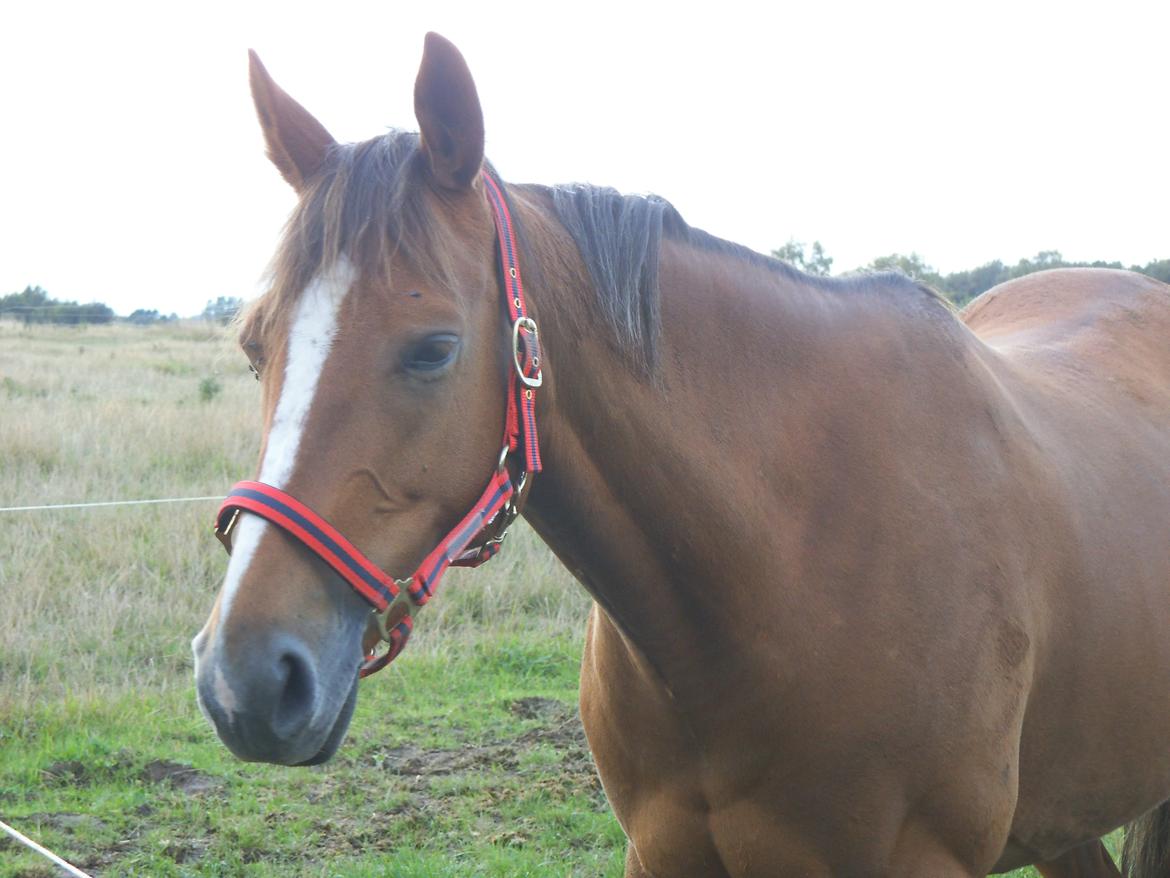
x,y
225,535
380,621
380,618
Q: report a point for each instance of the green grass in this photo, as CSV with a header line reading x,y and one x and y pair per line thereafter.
x,y
462,763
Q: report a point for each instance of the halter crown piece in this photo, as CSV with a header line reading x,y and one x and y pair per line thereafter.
x,y
476,538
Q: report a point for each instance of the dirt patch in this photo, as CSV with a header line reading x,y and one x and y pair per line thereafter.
x,y
187,850
536,707
75,773
184,778
560,730
68,771
412,761
65,822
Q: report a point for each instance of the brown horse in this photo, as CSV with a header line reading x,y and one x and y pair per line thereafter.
x,y
880,589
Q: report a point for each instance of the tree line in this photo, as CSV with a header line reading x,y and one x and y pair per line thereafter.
x,y
33,304
958,286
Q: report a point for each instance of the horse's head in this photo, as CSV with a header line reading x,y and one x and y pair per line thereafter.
x,y
383,357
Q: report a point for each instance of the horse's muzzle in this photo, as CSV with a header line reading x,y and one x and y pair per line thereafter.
x,y
277,706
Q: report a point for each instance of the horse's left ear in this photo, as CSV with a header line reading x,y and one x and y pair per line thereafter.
x,y
297,142
449,116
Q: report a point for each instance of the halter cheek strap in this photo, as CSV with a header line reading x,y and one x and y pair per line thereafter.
x,y
480,534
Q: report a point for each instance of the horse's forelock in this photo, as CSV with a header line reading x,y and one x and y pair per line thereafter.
x,y
369,207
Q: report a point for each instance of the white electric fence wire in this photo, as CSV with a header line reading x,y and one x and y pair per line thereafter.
x,y
68,868
106,503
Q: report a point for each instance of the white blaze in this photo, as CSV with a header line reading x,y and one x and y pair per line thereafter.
x,y
310,340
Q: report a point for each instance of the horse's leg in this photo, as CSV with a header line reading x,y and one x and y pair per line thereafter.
x,y
1088,860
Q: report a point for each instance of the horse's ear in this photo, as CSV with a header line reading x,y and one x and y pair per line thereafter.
x,y
449,116
297,143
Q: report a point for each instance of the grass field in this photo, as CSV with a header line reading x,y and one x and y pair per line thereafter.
x,y
464,758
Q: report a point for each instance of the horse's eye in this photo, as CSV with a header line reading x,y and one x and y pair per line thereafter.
x,y
432,353
254,366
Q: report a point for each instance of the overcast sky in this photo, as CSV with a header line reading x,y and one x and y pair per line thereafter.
x,y
132,170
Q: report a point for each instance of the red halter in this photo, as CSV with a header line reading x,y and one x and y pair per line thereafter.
x,y
473,540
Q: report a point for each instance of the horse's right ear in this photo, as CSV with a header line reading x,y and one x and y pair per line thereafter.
x,y
449,115
297,143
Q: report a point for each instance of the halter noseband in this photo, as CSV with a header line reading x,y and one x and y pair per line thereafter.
x,y
476,538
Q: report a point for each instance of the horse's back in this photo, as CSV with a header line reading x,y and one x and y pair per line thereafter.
x,y
1104,323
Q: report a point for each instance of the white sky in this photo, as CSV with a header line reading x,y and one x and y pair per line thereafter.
x,y
132,170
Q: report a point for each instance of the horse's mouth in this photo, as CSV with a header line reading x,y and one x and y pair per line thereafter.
x,y
337,732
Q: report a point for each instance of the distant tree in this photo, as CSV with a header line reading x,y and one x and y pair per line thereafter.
x,y
1159,270
959,286
33,305
25,305
1045,259
792,252
30,295
223,310
94,312
143,317
913,266
814,262
963,286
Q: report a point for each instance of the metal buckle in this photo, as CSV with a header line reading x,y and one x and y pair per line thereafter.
x,y
528,324
225,535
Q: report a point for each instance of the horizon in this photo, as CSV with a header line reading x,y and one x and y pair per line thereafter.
x,y
13,312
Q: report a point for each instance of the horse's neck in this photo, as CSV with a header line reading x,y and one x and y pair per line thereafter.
x,y
677,498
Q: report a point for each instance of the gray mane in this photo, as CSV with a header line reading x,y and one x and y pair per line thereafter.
x,y
619,238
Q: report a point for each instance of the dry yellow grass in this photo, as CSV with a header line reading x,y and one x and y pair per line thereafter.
x,y
97,602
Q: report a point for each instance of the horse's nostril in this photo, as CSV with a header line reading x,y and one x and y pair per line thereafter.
x,y
298,692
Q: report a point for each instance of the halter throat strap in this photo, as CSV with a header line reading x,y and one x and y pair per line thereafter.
x,y
480,533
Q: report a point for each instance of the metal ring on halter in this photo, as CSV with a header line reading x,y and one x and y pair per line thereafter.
x,y
381,616
380,619
526,323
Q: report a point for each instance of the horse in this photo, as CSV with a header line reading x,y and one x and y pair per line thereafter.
x,y
880,588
